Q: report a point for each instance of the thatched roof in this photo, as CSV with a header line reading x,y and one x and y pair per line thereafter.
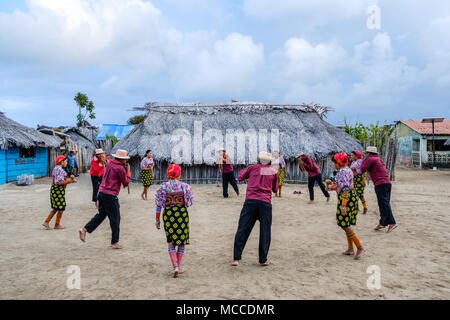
x,y
15,134
301,127
77,137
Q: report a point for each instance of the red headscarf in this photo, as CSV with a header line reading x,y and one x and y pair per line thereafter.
x,y
60,159
173,171
358,154
341,158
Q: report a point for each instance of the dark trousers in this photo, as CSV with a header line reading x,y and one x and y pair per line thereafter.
x,y
383,192
254,210
96,181
311,181
228,177
108,205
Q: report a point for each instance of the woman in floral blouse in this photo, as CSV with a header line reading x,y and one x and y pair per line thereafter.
x,y
347,208
174,196
359,178
147,172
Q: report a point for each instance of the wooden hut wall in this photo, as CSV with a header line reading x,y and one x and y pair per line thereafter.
x,y
205,174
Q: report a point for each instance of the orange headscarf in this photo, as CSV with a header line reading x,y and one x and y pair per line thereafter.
x,y
341,158
173,171
60,159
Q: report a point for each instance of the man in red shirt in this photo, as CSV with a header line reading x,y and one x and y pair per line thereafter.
x,y
380,177
98,163
117,173
314,175
226,166
262,181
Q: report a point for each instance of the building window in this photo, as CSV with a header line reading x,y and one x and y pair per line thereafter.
x,y
416,145
26,152
438,145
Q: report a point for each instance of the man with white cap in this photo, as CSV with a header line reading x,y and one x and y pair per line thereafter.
x,y
98,163
262,181
380,177
117,173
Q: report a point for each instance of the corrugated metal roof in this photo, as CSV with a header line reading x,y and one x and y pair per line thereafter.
x,y
117,130
442,128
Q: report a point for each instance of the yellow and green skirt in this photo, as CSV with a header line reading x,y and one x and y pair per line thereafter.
x,y
352,210
176,224
358,185
281,176
147,178
58,197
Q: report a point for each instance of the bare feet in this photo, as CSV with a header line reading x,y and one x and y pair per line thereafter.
x,y
391,227
59,227
47,226
82,234
310,201
116,246
328,199
379,227
181,270
348,252
142,196
365,211
235,263
96,204
359,252
176,271
265,264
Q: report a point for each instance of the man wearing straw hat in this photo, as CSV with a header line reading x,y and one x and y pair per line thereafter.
x,y
226,166
380,177
117,173
98,163
262,181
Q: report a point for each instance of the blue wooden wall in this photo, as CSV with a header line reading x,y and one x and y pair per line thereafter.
x,y
16,166
2,166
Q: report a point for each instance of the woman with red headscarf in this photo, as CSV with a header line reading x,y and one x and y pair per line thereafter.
x,y
174,196
58,192
359,178
347,208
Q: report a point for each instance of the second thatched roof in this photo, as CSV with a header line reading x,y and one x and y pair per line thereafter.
x,y
301,127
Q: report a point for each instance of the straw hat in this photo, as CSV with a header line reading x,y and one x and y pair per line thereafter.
x,y
301,154
221,150
265,157
99,151
372,150
121,154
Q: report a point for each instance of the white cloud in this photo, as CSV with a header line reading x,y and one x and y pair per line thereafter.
x,y
317,12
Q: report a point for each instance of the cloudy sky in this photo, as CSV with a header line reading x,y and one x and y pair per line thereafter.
x,y
123,53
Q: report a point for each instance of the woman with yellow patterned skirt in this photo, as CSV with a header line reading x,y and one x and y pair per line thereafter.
x,y
359,178
280,166
147,172
174,196
58,192
347,208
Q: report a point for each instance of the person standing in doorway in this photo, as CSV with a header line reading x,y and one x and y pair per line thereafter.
x,y
307,164
380,177
225,164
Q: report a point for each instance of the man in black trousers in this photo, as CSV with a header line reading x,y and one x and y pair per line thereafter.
x,y
225,165
262,181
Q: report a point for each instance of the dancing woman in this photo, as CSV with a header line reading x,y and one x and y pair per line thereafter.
x,y
280,166
58,192
174,196
147,172
359,178
347,207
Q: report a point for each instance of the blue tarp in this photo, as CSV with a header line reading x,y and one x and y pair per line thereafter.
x,y
117,130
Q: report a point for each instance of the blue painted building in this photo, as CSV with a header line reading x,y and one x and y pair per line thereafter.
x,y
24,151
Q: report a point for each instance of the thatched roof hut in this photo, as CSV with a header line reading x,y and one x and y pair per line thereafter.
x,y
15,134
289,128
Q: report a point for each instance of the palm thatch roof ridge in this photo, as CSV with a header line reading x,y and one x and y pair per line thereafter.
x,y
301,128
13,133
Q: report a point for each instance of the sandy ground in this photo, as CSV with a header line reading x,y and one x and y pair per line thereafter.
x,y
305,252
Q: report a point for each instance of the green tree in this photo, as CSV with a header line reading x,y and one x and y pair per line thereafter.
x,y
113,140
83,102
137,119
